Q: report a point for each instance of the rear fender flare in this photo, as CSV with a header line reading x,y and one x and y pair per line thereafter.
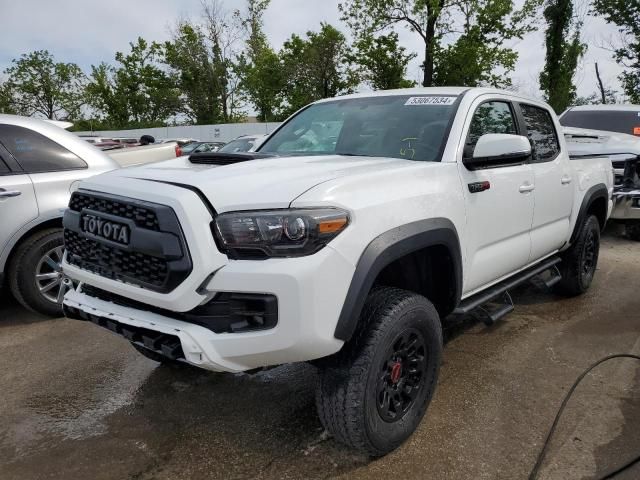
x,y
594,193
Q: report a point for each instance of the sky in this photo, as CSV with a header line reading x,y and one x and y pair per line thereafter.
x,y
88,32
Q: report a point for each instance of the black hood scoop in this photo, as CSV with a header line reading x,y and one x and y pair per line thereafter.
x,y
220,158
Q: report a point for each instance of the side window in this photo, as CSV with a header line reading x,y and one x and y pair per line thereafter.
x,y
541,132
490,117
3,167
35,152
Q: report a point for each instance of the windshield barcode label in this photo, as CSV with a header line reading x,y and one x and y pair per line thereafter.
x,y
430,101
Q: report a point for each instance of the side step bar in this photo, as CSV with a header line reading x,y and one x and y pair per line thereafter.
x,y
502,289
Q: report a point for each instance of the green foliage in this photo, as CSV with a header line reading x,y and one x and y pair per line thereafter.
x,y
626,15
187,54
366,17
259,68
478,56
137,92
464,40
383,61
37,85
564,49
223,32
6,100
316,67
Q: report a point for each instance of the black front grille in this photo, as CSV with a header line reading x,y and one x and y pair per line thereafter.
x,y
156,257
114,263
143,217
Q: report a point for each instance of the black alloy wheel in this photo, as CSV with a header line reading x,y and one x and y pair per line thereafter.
x,y
402,375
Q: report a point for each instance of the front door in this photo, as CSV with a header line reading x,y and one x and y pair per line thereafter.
x,y
499,217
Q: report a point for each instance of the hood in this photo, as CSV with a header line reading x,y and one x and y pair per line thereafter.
x,y
581,141
261,183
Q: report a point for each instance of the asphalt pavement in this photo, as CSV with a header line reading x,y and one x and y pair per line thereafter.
x,y
77,402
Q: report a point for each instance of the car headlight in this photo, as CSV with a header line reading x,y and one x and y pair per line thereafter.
x,y
279,233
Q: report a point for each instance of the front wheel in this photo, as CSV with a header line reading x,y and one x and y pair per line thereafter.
x,y
35,272
373,394
579,262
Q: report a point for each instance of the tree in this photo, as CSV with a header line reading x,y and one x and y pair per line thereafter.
x,y
365,17
316,67
6,100
193,70
475,30
224,33
478,56
564,49
137,92
626,15
383,61
259,67
37,85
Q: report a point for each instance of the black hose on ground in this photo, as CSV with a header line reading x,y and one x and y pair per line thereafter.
x,y
536,468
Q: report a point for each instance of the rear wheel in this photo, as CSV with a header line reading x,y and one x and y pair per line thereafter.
x,y
373,393
579,262
633,231
35,272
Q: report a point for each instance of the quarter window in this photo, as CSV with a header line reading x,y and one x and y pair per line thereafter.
x,y
35,152
490,117
541,132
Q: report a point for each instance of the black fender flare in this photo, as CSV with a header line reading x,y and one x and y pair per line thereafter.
x,y
595,192
388,247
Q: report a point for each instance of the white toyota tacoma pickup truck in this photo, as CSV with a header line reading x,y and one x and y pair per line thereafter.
x,y
359,225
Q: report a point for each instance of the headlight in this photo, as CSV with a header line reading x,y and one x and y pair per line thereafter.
x,y
279,233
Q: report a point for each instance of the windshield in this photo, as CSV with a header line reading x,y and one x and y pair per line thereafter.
x,y
407,127
238,145
608,120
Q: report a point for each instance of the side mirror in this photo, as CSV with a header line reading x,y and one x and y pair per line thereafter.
x,y
496,149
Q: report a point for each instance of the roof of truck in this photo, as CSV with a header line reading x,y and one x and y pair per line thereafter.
x,y
444,91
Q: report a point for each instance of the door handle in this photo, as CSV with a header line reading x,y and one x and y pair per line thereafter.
x,y
526,188
566,180
9,193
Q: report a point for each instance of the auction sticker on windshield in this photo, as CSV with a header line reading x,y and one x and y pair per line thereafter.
x,y
430,101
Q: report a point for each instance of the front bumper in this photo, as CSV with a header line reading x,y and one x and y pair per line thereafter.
x,y
310,292
626,204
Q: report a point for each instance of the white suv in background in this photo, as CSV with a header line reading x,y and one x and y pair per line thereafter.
x,y
39,164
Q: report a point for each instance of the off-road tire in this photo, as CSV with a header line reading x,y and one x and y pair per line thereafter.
x,y
22,267
579,262
347,396
633,231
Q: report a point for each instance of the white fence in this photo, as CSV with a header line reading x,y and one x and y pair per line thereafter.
x,y
223,132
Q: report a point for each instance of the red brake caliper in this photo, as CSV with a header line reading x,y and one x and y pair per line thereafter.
x,y
396,372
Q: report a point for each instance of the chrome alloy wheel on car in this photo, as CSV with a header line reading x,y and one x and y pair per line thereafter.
x,y
49,277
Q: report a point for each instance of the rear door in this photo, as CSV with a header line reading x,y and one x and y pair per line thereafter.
x,y
553,194
18,204
499,217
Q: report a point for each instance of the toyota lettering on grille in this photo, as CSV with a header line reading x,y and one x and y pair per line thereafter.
x,y
113,231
